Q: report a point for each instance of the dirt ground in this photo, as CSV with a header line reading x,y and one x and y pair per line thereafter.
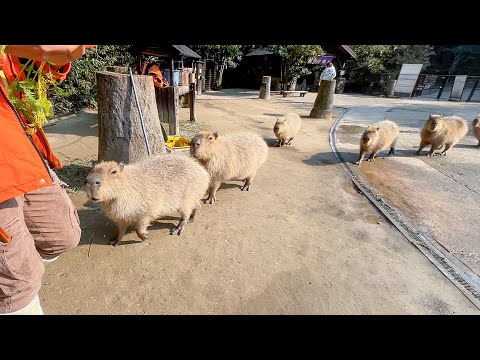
x,y
301,241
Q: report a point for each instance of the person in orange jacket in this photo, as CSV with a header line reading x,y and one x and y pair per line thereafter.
x,y
38,221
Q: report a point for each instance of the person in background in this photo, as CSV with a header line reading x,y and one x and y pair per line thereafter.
x,y
328,73
38,221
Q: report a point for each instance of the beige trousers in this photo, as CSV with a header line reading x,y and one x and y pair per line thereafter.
x,y
42,224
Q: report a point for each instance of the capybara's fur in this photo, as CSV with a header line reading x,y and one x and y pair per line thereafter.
x,y
286,128
476,129
136,194
378,137
235,156
438,131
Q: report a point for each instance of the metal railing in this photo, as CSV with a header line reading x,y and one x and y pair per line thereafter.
x,y
440,87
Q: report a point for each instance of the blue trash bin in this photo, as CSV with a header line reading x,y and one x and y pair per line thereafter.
x,y
176,76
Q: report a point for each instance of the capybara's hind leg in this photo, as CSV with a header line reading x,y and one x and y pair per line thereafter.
x,y
392,151
422,145
211,192
279,143
181,225
289,141
246,185
122,229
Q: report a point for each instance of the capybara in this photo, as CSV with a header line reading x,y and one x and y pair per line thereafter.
x,y
476,129
235,156
438,131
286,128
378,137
138,193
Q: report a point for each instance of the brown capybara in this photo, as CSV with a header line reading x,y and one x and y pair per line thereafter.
x,y
138,193
236,156
378,137
476,129
438,131
286,128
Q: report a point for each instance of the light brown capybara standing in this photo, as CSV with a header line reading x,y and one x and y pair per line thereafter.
x,y
378,137
438,131
286,128
476,130
236,156
138,193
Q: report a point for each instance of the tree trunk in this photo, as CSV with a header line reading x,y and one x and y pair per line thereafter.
x,y
324,101
265,88
219,79
293,84
120,135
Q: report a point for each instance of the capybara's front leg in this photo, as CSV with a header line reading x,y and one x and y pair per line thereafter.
x,y
181,225
392,151
360,158
279,143
289,141
372,156
212,191
447,147
122,229
422,145
432,150
141,229
246,185
194,214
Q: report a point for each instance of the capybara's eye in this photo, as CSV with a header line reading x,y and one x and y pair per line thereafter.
x,y
114,172
97,182
210,138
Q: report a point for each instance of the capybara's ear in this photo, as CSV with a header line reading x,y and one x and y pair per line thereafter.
x,y
121,166
215,134
95,162
378,128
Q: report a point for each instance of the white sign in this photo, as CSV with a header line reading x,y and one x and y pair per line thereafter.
x,y
407,79
457,89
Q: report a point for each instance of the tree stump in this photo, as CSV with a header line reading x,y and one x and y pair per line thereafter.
x,y
120,135
265,87
322,109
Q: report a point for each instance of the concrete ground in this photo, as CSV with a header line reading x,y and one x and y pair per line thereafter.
x,y
439,195
301,241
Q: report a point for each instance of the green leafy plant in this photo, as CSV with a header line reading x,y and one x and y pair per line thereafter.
x,y
29,96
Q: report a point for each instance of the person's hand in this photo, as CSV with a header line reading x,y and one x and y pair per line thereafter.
x,y
53,54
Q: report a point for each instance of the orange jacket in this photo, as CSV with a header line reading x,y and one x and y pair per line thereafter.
x,y
22,168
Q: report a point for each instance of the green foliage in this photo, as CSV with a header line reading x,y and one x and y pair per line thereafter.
x,y
377,62
229,55
295,58
80,85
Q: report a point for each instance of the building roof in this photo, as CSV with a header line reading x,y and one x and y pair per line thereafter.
x,y
349,50
259,52
169,51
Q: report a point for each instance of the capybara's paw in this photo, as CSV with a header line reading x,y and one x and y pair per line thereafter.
x,y
370,159
245,187
114,241
177,230
357,163
477,147
142,235
210,200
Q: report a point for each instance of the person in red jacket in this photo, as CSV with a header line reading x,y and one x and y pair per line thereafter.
x,y
38,221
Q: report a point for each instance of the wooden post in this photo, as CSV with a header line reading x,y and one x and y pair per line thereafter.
x,y
193,115
198,78
173,107
265,87
120,136
171,73
324,101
